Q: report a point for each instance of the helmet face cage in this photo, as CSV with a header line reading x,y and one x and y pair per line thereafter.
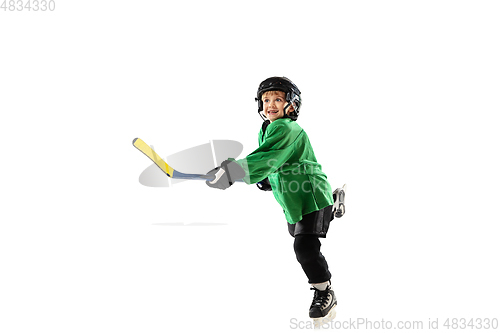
x,y
292,95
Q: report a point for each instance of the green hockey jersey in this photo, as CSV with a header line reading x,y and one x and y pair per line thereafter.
x,y
286,157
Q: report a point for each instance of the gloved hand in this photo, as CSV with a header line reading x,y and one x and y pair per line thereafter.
x,y
264,185
225,175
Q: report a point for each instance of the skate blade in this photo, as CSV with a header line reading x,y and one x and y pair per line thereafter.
x,y
319,322
339,202
340,211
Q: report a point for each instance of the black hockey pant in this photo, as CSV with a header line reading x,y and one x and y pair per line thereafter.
x,y
307,251
307,245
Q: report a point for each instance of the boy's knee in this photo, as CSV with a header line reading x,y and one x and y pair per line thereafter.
x,y
305,246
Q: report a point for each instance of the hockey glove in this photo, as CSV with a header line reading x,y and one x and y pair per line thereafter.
x,y
264,185
225,175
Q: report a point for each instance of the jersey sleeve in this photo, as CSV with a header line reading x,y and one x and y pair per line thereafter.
x,y
274,150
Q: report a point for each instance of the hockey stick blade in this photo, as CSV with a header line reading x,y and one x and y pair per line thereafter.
x,y
167,169
153,156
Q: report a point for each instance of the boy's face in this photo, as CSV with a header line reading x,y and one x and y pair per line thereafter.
x,y
274,103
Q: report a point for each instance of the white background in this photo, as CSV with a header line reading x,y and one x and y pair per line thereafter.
x,y
399,101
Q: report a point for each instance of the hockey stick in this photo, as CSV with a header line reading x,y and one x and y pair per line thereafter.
x,y
167,169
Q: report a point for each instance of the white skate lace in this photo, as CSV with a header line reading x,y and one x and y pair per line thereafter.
x,y
320,297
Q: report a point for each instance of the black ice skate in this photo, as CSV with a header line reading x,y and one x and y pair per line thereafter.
x,y
323,305
339,202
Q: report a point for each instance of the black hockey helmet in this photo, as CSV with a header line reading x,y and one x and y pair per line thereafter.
x,y
292,94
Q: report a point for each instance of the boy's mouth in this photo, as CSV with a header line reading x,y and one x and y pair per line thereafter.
x,y
272,111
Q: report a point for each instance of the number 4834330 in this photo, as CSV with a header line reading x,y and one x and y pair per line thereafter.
x,y
28,5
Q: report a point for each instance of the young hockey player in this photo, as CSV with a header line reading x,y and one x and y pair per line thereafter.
x,y
285,163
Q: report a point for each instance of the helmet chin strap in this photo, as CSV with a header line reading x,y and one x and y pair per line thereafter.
x,y
286,107
261,113
285,110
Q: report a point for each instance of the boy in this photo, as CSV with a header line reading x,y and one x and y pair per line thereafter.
x,y
285,163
